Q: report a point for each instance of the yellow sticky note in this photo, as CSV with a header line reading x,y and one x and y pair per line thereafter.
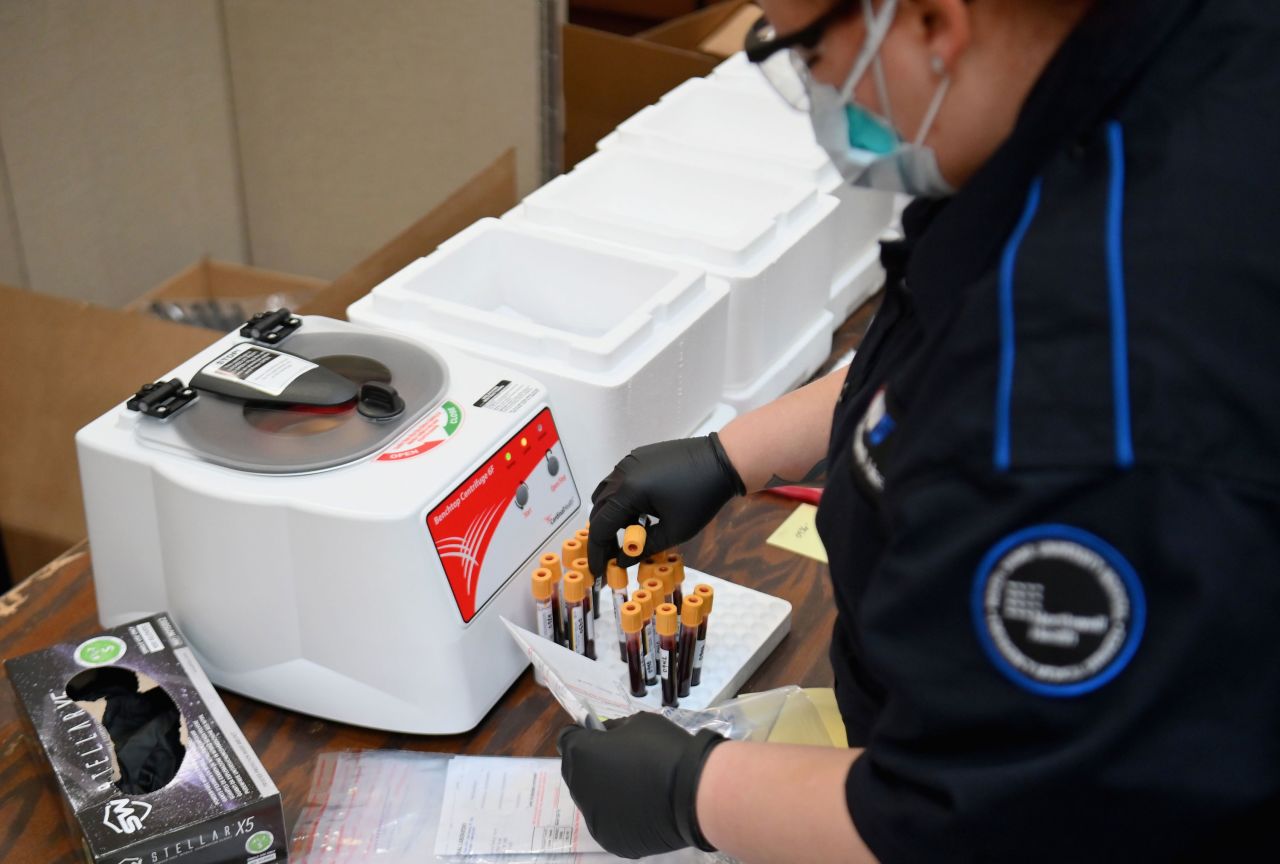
x,y
799,534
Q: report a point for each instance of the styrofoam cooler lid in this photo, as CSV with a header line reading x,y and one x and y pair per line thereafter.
x,y
728,222
744,122
548,300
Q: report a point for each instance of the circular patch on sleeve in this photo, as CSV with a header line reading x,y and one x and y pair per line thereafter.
x,y
1058,610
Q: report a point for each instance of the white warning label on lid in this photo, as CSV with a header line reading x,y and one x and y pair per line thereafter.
x,y
260,368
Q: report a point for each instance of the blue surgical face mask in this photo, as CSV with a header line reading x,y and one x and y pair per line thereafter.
x,y
866,148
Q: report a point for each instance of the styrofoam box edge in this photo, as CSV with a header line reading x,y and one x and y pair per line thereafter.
x,y
607,360
791,368
807,209
719,418
858,284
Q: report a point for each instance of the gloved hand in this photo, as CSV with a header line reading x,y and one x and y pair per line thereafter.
x,y
682,483
636,783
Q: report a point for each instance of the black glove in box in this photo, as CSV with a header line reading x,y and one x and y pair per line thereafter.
x,y
150,764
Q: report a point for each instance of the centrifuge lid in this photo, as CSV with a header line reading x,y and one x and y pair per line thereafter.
x,y
280,439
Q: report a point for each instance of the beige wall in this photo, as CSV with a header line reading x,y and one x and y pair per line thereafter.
x,y
299,135
12,271
356,118
115,129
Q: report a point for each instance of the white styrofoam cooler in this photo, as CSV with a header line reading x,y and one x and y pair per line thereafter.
x,y
737,122
771,240
631,350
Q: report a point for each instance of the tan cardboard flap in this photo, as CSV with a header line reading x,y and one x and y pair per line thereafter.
x,y
219,280
66,362
689,31
12,270
491,192
653,10
608,78
729,37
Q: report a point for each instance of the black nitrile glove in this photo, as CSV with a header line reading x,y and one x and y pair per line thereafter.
x,y
637,783
683,484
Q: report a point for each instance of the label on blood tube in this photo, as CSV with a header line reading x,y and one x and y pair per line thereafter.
x,y
546,624
618,599
697,655
591,627
650,657
664,663
579,631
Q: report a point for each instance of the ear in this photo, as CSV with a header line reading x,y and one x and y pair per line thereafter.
x,y
945,28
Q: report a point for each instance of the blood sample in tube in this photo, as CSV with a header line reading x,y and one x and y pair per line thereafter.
x,y
589,603
648,603
645,570
551,561
671,589
632,627
618,584
690,618
571,550
676,562
543,611
593,583
657,588
708,595
667,655
596,579
575,590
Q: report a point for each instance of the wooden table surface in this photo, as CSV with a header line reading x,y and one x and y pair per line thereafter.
x,y
57,604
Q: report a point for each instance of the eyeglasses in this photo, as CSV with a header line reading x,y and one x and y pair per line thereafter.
x,y
785,60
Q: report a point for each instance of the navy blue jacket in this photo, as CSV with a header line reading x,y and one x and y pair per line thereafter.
x,y
1053,501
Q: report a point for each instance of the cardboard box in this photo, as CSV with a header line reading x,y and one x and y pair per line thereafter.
x,y
491,192
149,762
607,77
219,295
67,362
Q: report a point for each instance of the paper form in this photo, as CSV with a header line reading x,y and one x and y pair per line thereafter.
x,y
584,688
498,805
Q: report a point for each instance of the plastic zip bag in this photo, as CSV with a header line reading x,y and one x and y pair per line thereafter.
x,y
385,807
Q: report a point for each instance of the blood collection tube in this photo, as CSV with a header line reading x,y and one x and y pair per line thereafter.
x,y
572,549
647,604
581,565
618,583
675,561
543,609
582,535
632,626
575,589
671,589
667,654
551,561
708,595
690,618
657,588
633,540
589,603
646,568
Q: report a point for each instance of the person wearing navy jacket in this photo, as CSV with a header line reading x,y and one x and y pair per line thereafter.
x,y
1052,501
